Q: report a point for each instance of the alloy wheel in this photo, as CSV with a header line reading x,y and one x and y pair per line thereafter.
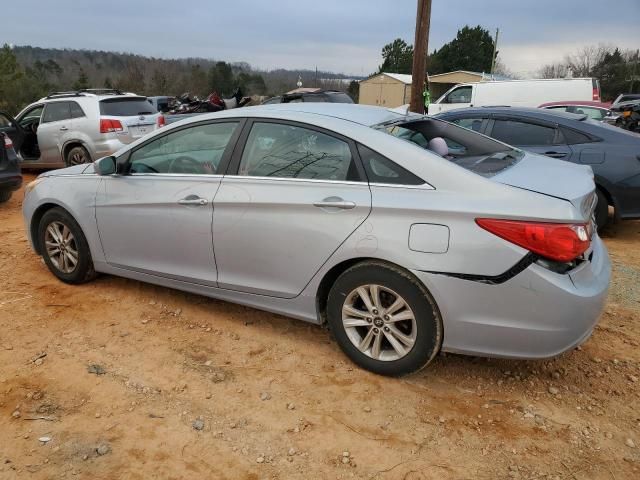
x,y
61,247
379,322
78,157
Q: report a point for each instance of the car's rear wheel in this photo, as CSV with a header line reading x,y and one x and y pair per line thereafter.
x,y
384,319
602,210
5,195
77,156
64,247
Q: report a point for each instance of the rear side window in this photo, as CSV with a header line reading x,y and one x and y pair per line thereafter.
x,y
126,107
287,151
514,132
382,170
56,111
572,137
76,110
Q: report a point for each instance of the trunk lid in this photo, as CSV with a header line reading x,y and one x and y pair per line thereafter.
x,y
555,178
136,115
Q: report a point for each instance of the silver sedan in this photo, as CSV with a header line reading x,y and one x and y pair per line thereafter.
x,y
407,235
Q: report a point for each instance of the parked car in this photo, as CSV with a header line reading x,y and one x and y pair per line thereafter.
x,y
320,212
10,176
517,93
611,152
313,95
599,111
625,97
161,103
71,128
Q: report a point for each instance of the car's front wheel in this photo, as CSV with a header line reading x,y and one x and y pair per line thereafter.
x,y
384,319
64,247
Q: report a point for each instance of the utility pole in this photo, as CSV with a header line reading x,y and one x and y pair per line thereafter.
x,y
495,52
420,48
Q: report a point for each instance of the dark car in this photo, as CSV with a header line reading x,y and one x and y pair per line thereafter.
x,y
10,176
313,95
612,153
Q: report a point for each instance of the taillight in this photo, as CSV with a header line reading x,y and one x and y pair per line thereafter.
x,y
562,242
161,121
595,85
7,143
109,126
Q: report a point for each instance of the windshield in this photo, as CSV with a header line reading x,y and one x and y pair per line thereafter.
x,y
126,107
464,147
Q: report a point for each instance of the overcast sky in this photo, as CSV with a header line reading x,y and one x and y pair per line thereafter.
x,y
339,35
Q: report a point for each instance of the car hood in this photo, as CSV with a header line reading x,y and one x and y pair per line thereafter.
x,y
74,170
555,178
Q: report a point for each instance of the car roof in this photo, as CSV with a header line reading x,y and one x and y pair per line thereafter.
x,y
588,103
361,114
540,113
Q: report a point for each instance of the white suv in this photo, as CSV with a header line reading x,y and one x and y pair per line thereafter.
x,y
69,128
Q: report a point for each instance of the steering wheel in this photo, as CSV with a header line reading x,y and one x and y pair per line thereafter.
x,y
185,165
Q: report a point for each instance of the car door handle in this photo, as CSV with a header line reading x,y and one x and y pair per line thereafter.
x,y
193,200
334,202
555,154
63,129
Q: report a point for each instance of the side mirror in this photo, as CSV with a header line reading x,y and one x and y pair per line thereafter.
x,y
105,166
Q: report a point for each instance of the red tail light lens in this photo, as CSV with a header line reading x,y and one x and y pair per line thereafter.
x,y
109,126
161,121
596,95
562,242
7,142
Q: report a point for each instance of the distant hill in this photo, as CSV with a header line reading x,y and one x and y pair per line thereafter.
x,y
64,69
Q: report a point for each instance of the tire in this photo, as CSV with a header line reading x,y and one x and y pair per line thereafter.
x,y
421,330
58,223
5,195
77,156
602,210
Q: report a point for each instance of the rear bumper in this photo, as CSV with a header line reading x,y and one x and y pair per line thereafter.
x,y
10,182
536,314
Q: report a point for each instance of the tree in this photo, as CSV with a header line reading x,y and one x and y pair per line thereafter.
x,y
82,82
354,90
397,57
613,73
221,78
471,50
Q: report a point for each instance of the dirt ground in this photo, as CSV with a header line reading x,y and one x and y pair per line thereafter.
x,y
122,380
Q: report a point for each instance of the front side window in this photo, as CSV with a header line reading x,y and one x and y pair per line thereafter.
x,y
459,95
194,150
514,132
593,113
31,116
56,111
287,151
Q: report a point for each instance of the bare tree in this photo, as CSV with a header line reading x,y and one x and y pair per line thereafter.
x,y
584,60
553,70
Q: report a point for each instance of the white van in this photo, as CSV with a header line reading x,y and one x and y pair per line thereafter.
x,y
517,93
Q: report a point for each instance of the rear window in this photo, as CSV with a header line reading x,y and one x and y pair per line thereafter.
x,y
126,107
465,148
339,98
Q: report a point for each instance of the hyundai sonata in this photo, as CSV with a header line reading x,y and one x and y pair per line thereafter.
x,y
406,234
